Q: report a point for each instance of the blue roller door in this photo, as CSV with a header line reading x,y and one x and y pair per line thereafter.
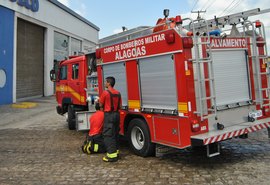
x,y
6,54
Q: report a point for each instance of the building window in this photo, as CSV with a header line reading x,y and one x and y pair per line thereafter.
x,y
76,46
75,71
63,73
61,45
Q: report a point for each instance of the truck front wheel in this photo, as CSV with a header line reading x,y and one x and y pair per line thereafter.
x,y
71,118
139,138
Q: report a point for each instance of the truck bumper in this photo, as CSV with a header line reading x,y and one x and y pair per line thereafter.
x,y
229,132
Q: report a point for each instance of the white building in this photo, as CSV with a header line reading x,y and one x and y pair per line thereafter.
x,y
34,34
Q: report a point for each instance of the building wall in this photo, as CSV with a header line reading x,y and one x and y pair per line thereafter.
x,y
54,17
49,13
6,54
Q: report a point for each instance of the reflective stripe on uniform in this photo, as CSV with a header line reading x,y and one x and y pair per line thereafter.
x,y
95,147
88,148
112,155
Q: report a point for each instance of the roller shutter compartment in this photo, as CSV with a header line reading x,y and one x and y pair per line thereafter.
x,y
231,77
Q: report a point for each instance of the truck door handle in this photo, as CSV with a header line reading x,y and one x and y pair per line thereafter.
x,y
78,83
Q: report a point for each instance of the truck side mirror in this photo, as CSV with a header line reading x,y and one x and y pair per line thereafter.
x,y
52,75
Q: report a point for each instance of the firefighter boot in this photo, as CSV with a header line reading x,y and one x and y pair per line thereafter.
x,y
110,157
118,153
88,148
85,143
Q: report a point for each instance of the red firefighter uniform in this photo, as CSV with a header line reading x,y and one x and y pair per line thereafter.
x,y
111,101
96,123
95,142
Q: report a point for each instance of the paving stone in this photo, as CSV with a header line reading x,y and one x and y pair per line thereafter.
x,y
36,147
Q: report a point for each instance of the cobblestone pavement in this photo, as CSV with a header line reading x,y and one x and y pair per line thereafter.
x,y
36,147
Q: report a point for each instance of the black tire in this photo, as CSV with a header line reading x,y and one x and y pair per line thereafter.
x,y
139,138
71,118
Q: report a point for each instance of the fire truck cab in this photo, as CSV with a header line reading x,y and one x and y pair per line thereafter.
x,y
76,86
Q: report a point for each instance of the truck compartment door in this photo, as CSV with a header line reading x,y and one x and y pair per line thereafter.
x,y
83,120
157,83
118,71
231,77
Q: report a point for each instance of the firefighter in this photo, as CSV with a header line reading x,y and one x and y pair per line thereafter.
x,y
94,141
111,102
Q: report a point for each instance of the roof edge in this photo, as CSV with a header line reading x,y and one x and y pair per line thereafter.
x,y
68,10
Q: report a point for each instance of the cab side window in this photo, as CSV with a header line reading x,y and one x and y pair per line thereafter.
x,y
75,71
63,73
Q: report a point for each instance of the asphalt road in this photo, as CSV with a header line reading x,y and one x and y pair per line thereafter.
x,y
36,147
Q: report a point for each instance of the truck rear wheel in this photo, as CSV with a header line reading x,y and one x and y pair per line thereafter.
x,y
71,118
139,138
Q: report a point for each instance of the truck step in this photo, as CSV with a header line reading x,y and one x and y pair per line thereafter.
x,y
213,149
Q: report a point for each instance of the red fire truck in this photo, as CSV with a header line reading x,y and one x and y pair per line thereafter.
x,y
183,82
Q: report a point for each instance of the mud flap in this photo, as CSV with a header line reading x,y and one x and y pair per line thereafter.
x,y
162,150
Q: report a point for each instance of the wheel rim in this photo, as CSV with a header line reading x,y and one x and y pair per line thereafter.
x,y
137,137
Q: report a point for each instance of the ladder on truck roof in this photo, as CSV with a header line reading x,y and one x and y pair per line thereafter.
x,y
257,58
229,19
201,77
